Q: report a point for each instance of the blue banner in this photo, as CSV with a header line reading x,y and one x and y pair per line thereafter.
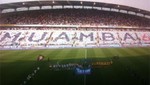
x,y
83,71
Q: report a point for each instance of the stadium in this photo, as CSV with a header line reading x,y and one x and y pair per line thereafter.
x,y
74,42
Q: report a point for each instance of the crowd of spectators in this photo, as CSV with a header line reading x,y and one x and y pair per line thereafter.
x,y
74,17
76,29
134,37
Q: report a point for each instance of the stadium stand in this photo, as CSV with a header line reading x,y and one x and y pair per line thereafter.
x,y
16,38
32,37
74,17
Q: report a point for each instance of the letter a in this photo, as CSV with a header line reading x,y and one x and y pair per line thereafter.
x,y
145,37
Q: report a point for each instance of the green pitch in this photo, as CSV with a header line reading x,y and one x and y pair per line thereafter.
x,y
132,67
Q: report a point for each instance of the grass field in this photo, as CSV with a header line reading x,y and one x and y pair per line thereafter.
x,y
132,67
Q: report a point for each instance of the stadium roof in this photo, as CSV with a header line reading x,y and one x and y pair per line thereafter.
x,y
74,3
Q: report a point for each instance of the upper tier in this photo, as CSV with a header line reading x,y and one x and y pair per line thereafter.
x,y
74,17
